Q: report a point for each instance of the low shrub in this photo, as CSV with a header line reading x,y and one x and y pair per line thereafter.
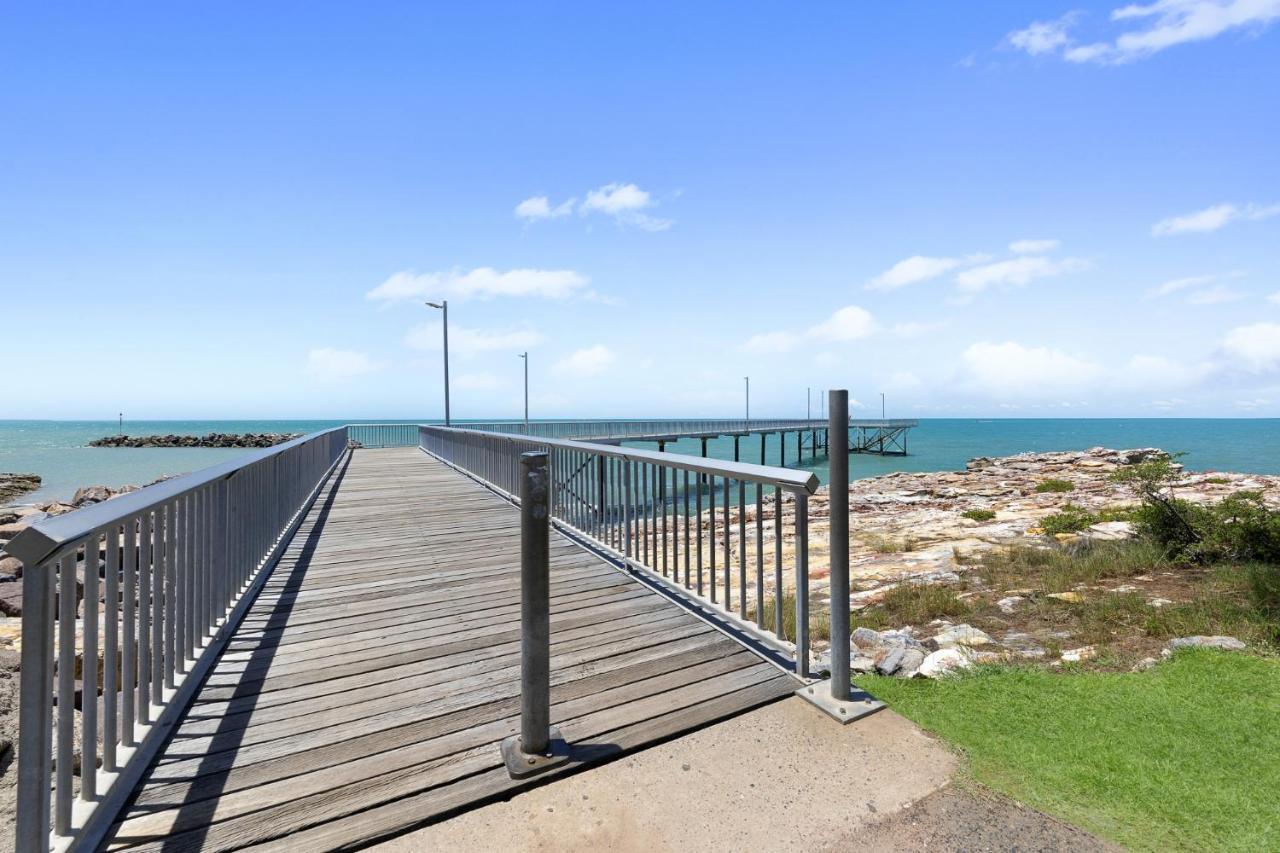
x,y
914,604
1055,485
979,514
1070,519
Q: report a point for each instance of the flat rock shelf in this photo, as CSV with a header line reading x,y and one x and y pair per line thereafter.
x,y
370,685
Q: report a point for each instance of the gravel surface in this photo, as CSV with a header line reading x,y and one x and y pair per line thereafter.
x,y
959,819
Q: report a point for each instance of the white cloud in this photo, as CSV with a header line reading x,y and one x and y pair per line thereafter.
x,y
1255,348
466,342
772,342
1215,295
847,324
1148,29
1177,284
912,270
588,362
1274,298
1016,272
625,203
1168,405
480,283
335,365
1033,247
1212,218
1013,370
1042,37
913,329
1252,405
1155,373
539,207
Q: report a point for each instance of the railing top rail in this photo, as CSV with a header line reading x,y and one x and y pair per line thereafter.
x,y
45,538
782,478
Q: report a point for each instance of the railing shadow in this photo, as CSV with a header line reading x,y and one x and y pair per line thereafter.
x,y
199,807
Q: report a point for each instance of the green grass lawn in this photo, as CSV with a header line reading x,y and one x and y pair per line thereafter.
x,y
1183,756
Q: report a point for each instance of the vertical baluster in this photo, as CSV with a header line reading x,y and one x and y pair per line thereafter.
x,y
662,501
626,511
760,555
686,529
111,651
170,591
742,549
802,585
158,562
35,709
89,675
144,620
728,548
778,626
66,691
711,541
128,639
644,512
697,480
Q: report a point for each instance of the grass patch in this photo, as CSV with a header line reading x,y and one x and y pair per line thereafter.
x,y
1217,481
1179,757
979,514
819,618
912,604
1053,485
1061,569
889,545
1070,519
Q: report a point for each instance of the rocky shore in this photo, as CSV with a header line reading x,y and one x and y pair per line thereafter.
x,y
213,439
16,485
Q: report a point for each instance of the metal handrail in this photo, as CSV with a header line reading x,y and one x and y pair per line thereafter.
x,y
681,520
585,429
180,563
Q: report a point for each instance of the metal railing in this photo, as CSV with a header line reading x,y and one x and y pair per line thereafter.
x,y
640,428
710,529
178,561
383,435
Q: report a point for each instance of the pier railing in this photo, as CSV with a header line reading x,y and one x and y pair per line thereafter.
x,y
178,561
383,435
640,428
712,531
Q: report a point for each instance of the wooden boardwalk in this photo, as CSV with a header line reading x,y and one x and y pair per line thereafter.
x,y
369,686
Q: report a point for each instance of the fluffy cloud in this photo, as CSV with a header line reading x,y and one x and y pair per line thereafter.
x,y
585,363
625,203
466,342
1177,284
335,365
912,270
1042,37
1016,272
1033,247
1212,218
480,283
1254,348
1215,295
1147,29
1012,370
539,207
847,324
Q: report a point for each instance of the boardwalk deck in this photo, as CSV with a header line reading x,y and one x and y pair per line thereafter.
x,y
369,686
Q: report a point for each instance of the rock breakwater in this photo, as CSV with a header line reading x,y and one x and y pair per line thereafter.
x,y
16,485
213,439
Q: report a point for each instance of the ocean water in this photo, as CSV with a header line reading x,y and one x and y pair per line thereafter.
x,y
58,451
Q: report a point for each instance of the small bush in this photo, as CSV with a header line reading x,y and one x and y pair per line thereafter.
x,y
915,604
1217,481
1118,513
1053,485
979,514
1264,587
1071,519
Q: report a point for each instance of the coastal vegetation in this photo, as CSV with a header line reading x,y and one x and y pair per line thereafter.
x,y
1181,756
1054,486
979,514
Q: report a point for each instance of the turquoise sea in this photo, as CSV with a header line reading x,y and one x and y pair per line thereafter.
x,y
58,451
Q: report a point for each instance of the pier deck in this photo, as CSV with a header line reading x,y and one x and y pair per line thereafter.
x,y
369,686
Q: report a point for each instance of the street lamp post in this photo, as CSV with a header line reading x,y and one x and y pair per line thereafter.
x,y
525,355
881,405
747,379
443,306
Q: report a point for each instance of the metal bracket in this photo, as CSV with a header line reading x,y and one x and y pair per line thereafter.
x,y
521,764
860,703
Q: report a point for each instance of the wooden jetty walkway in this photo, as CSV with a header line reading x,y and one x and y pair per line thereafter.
x,y
369,685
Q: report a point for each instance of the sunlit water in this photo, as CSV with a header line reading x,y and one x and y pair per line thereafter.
x,y
58,451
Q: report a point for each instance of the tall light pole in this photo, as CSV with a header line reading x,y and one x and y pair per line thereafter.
x,y
881,405
747,379
444,307
808,404
525,355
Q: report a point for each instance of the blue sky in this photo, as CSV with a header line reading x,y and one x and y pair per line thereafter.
x,y
1044,209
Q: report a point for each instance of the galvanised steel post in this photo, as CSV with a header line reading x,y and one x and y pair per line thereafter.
x,y
443,306
838,460
539,744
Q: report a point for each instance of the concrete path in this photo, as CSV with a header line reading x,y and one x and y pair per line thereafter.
x,y
782,777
